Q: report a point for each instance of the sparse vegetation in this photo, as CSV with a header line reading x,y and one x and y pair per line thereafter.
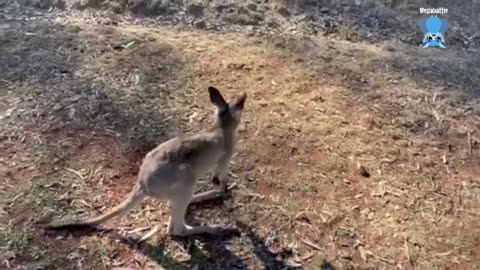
x,y
14,240
82,99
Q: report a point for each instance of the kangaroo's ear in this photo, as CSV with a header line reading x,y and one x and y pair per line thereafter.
x,y
217,99
240,102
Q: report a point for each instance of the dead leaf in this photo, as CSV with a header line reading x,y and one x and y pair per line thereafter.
x,y
117,263
363,254
192,117
444,253
307,256
444,159
381,191
71,113
293,264
84,203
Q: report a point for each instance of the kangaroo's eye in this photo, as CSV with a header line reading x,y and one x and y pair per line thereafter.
x,y
438,39
429,39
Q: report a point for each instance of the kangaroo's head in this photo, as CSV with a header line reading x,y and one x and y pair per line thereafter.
x,y
227,114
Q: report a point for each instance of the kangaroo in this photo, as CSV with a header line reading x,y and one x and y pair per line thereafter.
x,y
171,170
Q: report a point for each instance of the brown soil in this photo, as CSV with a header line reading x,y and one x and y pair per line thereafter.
x,y
83,100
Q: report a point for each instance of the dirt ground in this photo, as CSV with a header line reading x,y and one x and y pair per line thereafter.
x,y
351,155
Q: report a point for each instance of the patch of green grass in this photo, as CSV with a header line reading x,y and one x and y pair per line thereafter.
x,y
49,154
160,256
44,191
51,193
344,264
18,242
335,163
345,231
293,209
13,239
305,185
98,250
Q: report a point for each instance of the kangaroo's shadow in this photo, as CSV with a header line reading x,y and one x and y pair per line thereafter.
x,y
205,251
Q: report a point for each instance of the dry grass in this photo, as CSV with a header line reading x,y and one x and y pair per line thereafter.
x,y
312,119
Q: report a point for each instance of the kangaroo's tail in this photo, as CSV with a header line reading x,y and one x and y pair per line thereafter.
x,y
134,198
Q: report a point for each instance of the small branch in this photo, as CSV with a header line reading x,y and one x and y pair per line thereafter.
x,y
104,263
469,139
76,173
434,98
382,259
407,253
310,244
363,253
437,115
445,163
444,253
12,202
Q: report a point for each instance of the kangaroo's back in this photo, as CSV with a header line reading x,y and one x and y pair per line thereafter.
x,y
199,153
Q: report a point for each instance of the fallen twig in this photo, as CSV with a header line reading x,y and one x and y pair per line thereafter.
x,y
104,263
255,195
445,163
448,169
444,159
310,244
113,132
363,253
84,203
469,38
369,253
469,139
128,45
12,202
444,253
140,229
307,256
432,183
437,116
76,173
407,253
7,263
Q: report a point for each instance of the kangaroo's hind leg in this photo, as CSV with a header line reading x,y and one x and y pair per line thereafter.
x,y
177,225
220,178
179,204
